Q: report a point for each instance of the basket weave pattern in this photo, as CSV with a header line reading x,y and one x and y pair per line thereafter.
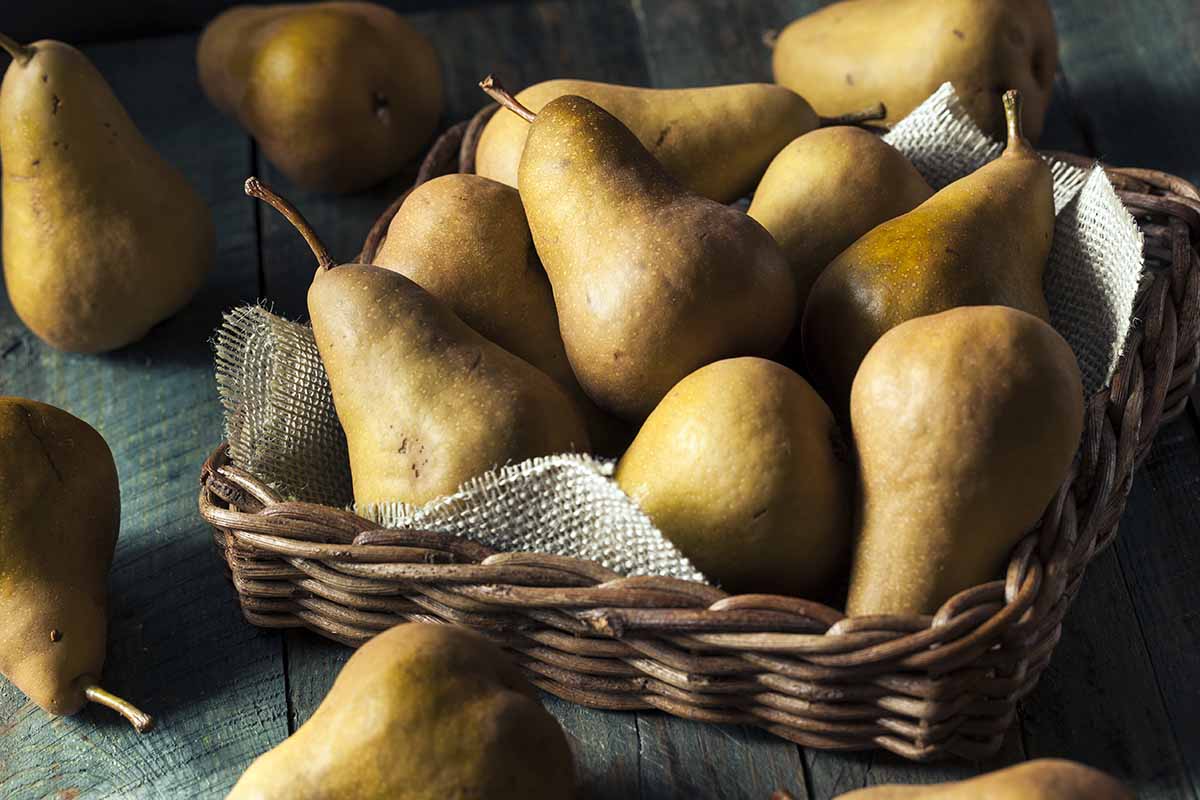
x,y
925,687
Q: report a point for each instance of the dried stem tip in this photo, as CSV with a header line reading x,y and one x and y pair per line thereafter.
x,y
502,96
1012,116
875,112
20,53
140,720
257,189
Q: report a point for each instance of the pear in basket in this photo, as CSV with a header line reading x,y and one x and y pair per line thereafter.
x,y
425,401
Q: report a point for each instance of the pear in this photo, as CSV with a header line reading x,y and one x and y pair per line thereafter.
x,y
464,239
339,95
1041,779
426,402
828,188
421,712
982,240
901,51
60,511
715,140
742,467
966,423
650,280
102,238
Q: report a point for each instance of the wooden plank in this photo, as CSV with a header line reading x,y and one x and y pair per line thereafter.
x,y
177,642
606,748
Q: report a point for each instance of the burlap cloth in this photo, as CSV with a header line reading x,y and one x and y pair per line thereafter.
x,y
281,425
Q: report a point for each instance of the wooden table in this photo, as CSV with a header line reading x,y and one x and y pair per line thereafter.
x,y
1123,691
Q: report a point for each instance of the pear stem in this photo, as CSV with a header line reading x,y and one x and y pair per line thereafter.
x,y
20,53
140,720
257,189
502,96
1012,117
875,112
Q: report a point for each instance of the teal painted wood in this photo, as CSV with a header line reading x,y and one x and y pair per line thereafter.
x,y
177,643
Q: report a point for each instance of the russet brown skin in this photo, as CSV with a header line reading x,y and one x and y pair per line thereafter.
x,y
339,95
824,191
982,240
965,424
743,468
464,239
1042,779
60,510
716,140
651,281
421,712
103,239
849,54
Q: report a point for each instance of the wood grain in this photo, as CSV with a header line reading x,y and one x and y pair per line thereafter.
x,y
177,643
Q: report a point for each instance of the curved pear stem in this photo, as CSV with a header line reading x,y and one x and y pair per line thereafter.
x,y
140,720
257,189
505,98
875,112
1012,118
20,53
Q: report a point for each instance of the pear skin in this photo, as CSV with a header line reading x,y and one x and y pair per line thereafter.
x,y
426,402
60,511
848,54
102,238
743,468
339,95
715,140
965,423
982,240
421,712
1041,779
650,280
825,190
464,239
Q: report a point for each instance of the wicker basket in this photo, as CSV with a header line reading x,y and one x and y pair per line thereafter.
x,y
923,687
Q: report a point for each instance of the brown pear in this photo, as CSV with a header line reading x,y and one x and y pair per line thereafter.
x,y
60,510
1042,779
965,423
901,51
982,240
426,401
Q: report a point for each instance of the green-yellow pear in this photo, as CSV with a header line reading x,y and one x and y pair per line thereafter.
x,y
1043,779
715,140
339,95
982,240
426,402
650,280
742,467
900,51
464,239
421,712
102,238
965,423
60,510
828,188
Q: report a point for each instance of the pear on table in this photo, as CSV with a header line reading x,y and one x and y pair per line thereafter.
x,y
421,712
1041,779
982,240
651,281
426,402
60,511
103,239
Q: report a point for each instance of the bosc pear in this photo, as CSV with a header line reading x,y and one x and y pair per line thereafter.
x,y
982,240
103,239
464,239
60,511
901,51
421,712
828,188
651,281
965,423
426,402
339,95
1041,779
